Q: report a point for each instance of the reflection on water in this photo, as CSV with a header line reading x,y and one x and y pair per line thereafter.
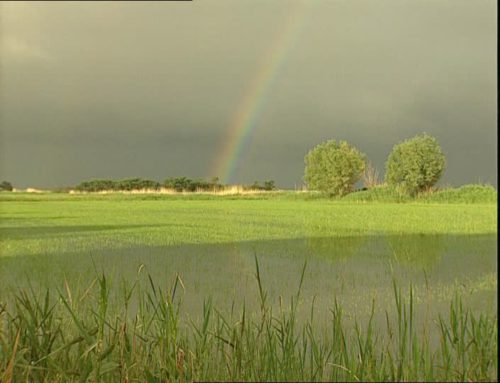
x,y
418,252
354,269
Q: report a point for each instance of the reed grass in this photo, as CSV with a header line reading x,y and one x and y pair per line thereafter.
x,y
83,335
466,194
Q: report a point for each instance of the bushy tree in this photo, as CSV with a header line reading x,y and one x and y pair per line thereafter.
x,y
5,186
96,185
135,184
255,186
269,185
180,184
415,164
333,167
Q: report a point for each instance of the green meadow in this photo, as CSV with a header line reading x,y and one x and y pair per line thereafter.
x,y
270,286
54,223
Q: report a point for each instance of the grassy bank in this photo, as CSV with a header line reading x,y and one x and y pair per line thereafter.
x,y
79,335
467,194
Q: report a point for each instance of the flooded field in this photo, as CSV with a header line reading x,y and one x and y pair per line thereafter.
x,y
385,291
354,270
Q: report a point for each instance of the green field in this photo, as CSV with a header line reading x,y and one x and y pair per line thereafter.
x,y
354,252
41,224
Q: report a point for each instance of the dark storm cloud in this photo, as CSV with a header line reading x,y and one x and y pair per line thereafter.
x,y
148,89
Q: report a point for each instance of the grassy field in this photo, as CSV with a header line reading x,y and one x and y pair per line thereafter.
x,y
427,267
40,224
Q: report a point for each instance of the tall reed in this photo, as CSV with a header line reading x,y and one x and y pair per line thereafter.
x,y
83,336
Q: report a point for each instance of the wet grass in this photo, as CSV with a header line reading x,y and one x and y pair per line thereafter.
x,y
81,334
66,223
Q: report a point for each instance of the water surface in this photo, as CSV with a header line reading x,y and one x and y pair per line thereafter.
x,y
354,270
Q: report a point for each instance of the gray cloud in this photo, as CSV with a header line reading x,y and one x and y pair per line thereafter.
x,y
149,89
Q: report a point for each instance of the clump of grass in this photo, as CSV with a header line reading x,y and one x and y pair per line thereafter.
x,y
379,193
82,336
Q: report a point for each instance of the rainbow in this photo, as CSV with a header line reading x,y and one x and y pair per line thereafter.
x,y
256,95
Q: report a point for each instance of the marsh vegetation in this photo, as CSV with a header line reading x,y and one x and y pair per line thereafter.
x,y
201,287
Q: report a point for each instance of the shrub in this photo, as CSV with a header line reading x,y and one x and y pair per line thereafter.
x,y
415,164
269,185
370,176
379,193
136,184
5,186
96,185
465,194
333,167
177,183
200,185
180,184
255,186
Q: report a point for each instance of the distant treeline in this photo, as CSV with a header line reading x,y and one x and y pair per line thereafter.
x,y
179,184
126,184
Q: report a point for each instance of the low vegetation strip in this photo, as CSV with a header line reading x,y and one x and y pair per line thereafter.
x,y
473,193
78,335
464,194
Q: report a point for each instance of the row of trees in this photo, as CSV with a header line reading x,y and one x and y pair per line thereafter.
x,y
414,165
125,184
187,184
179,184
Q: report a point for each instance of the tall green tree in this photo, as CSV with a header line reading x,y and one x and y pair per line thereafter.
x,y
415,164
333,167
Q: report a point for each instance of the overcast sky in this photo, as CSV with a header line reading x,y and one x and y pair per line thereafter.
x,y
150,89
